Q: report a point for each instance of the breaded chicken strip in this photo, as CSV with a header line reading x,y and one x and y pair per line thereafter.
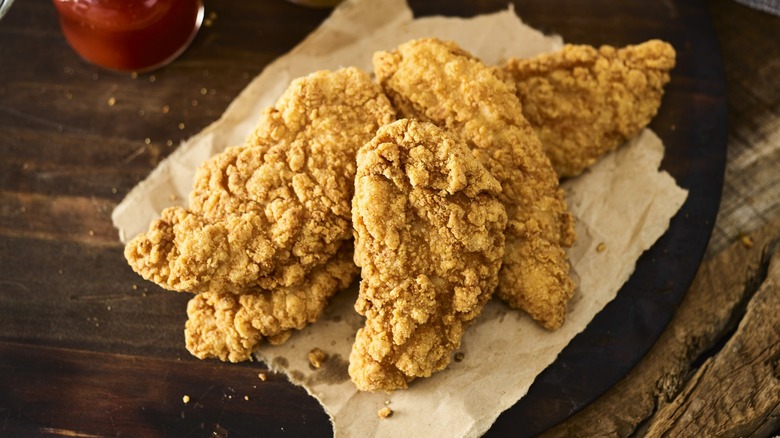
x,y
264,214
429,239
439,82
583,102
228,327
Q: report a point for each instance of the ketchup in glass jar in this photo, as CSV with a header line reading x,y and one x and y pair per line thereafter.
x,y
129,35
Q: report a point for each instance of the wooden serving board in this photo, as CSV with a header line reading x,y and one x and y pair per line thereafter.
x,y
87,348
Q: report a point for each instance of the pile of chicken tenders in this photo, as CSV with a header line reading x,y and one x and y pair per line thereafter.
x,y
437,185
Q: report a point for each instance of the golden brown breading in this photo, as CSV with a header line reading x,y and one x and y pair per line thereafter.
x,y
429,238
583,102
266,213
439,82
229,326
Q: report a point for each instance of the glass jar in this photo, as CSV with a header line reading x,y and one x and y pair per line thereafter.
x,y
129,35
4,5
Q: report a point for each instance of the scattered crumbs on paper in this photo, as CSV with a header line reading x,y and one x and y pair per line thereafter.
x,y
385,412
317,357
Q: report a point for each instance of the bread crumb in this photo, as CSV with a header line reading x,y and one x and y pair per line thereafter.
x,y
209,21
246,397
203,91
111,101
181,125
601,247
185,399
166,109
747,242
317,357
262,376
385,412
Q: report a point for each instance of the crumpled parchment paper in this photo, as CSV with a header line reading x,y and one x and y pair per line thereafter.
x,y
622,205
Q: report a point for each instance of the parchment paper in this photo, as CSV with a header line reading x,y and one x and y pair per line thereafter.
x,y
622,206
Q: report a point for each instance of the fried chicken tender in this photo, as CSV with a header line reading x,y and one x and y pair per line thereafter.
x,y
439,82
228,327
264,214
583,102
429,239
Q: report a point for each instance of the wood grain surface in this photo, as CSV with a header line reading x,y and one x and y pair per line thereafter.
x,y
87,348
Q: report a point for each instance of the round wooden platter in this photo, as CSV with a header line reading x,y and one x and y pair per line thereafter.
x,y
692,125
88,348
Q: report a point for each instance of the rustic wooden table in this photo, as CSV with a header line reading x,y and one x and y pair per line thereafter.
x,y
87,348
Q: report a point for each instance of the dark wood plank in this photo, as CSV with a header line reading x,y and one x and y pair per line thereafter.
x,y
80,295
75,393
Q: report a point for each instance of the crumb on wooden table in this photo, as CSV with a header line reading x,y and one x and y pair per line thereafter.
x,y
185,399
746,240
262,376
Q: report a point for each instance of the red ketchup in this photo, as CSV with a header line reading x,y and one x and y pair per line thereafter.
x,y
129,35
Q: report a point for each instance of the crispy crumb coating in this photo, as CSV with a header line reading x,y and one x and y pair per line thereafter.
x,y
266,213
439,82
583,102
228,327
429,239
